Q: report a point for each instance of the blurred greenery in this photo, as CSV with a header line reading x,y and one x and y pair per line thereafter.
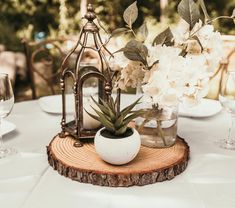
x,y
25,18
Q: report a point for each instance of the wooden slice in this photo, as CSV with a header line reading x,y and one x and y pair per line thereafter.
x,y
150,166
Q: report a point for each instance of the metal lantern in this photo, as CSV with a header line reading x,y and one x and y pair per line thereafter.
x,y
80,73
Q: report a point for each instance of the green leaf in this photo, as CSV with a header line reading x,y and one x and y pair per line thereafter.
x,y
198,40
233,14
112,104
136,51
143,31
111,111
101,107
120,50
93,116
112,115
121,131
189,11
105,104
184,52
203,7
164,38
128,109
130,14
104,120
128,119
119,31
118,122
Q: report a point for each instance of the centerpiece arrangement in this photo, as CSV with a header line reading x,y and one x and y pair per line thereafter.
x,y
175,67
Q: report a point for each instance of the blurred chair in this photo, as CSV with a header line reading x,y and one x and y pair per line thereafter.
x,y
43,65
13,64
227,64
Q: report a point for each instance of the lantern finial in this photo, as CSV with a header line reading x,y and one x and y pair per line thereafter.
x,y
90,15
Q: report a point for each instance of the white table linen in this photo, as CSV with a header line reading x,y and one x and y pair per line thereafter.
x,y
27,181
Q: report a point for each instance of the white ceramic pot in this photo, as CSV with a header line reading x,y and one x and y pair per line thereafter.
x,y
117,151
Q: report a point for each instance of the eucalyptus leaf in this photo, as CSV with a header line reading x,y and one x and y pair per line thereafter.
x,y
130,14
184,52
119,31
189,11
203,7
143,31
136,51
198,40
164,38
120,50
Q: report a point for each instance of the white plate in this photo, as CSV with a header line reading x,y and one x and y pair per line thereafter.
x,y
7,127
53,104
205,108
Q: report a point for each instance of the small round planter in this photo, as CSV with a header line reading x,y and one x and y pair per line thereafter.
x,y
117,151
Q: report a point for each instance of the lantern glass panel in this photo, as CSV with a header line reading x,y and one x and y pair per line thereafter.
x,y
69,99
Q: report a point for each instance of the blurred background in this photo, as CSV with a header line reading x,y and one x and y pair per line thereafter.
x,y
47,19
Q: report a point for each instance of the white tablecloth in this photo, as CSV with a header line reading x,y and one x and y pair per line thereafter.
x,y
27,181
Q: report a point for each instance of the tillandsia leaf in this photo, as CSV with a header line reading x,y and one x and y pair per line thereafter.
x,y
130,14
204,10
128,109
101,107
112,115
164,38
116,102
101,115
93,116
118,122
119,31
128,119
105,121
112,104
189,11
109,108
121,130
143,31
198,40
136,51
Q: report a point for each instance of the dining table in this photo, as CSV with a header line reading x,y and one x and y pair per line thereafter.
x,y
28,181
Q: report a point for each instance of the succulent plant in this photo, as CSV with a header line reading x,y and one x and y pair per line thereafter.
x,y
115,121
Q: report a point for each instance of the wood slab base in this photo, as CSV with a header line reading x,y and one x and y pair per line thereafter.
x,y
150,166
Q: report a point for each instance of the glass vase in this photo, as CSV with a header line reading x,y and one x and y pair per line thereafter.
x,y
158,125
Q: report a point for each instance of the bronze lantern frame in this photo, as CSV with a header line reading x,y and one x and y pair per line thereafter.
x,y
81,74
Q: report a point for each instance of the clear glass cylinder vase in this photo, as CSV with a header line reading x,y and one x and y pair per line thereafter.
x,y
158,125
